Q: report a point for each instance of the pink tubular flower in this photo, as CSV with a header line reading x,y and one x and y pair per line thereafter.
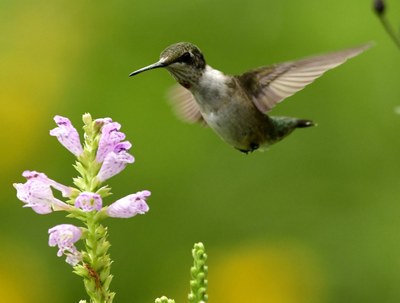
x,y
130,205
88,201
100,122
110,137
66,191
36,193
113,164
112,152
67,135
64,236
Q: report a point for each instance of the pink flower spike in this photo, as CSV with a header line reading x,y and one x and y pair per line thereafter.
x,y
110,136
37,194
65,236
113,164
88,201
129,206
67,135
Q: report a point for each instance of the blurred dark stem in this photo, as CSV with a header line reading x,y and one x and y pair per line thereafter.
x,y
390,31
380,8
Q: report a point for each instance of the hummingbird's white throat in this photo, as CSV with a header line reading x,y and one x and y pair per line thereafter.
x,y
213,78
212,83
212,88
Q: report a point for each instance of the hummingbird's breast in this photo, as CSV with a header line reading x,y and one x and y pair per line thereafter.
x,y
228,110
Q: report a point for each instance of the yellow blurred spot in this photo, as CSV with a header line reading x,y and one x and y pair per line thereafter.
x,y
265,274
36,63
22,278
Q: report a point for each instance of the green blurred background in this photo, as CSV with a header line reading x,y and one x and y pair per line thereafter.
x,y
314,219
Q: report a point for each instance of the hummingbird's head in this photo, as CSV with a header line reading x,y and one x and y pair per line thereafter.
x,y
183,60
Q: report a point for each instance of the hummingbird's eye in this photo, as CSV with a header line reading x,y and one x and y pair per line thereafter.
x,y
186,58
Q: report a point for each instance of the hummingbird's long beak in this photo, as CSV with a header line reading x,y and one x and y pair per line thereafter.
x,y
151,66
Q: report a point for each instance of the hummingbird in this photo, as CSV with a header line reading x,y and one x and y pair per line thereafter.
x,y
237,107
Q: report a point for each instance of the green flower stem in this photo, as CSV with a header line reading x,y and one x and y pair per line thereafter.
x,y
97,263
96,260
86,164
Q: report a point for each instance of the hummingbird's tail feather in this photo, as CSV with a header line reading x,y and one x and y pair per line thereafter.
x,y
283,126
301,123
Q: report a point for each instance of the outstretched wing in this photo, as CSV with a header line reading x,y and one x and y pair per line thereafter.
x,y
272,84
184,105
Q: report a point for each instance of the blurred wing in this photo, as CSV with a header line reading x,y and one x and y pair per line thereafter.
x,y
270,85
184,105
